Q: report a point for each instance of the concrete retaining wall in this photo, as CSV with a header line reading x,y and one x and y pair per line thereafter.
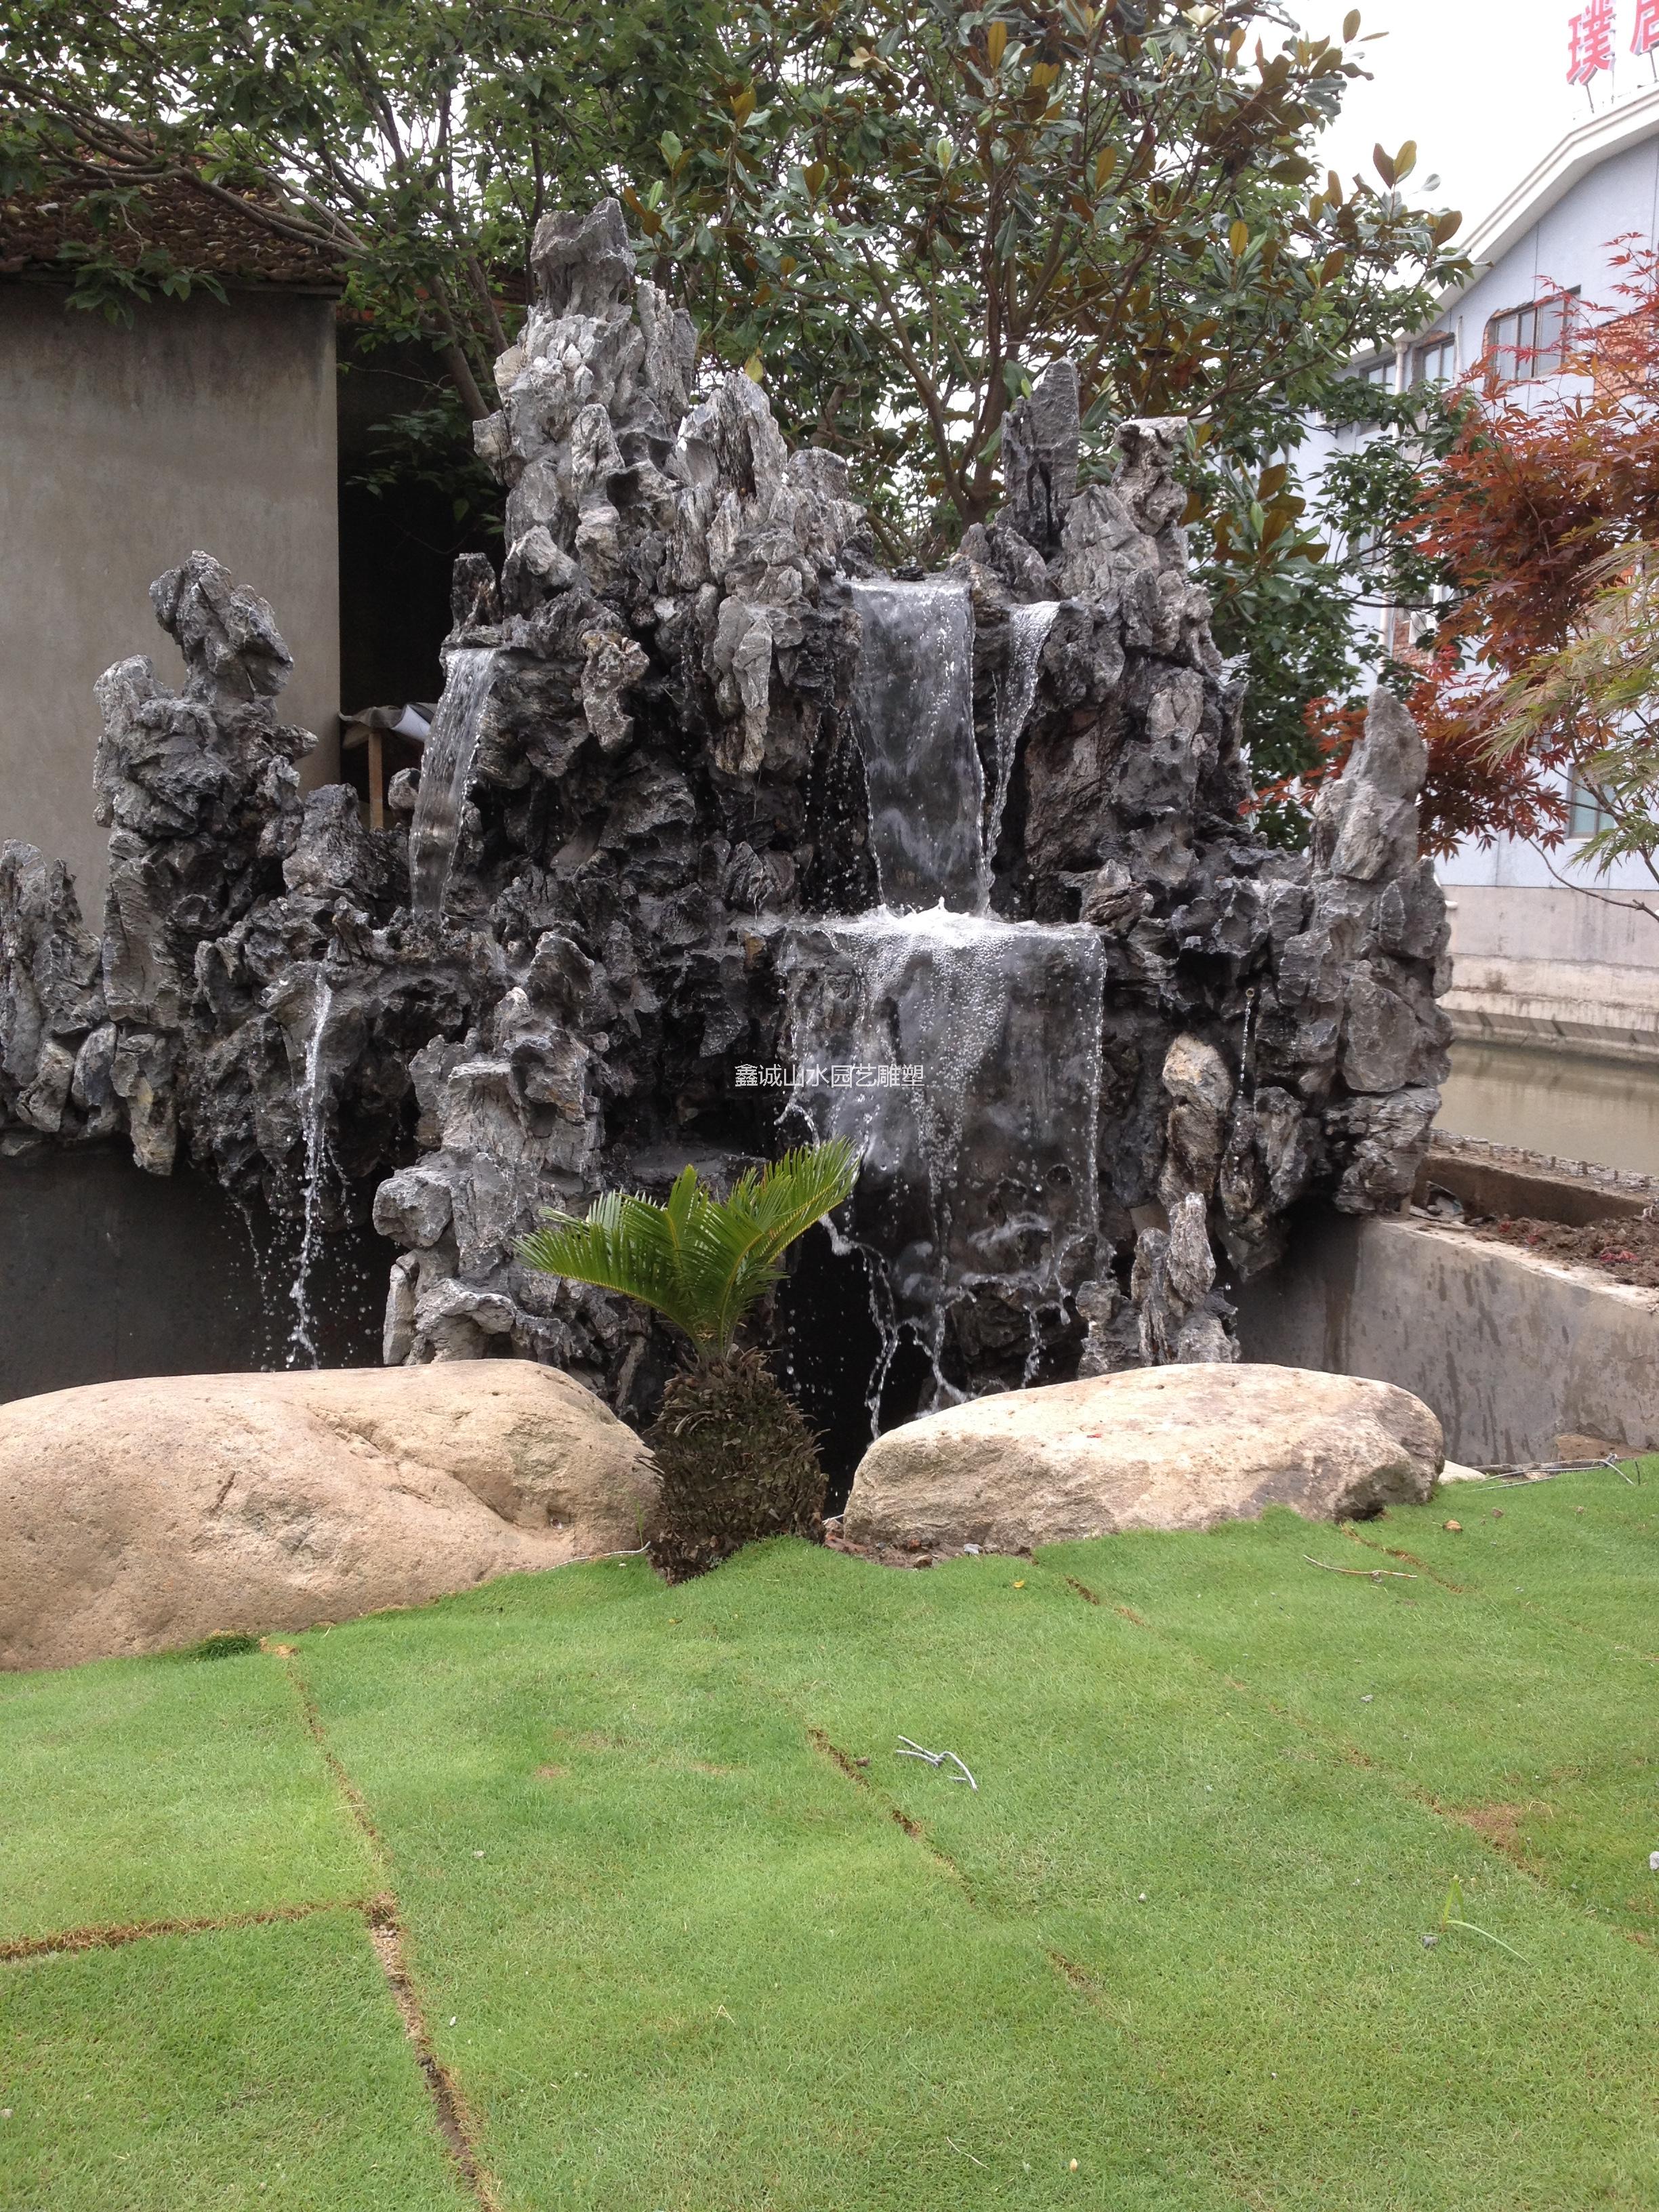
x,y
1509,1350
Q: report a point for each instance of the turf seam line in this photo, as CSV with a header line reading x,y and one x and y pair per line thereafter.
x,y
1528,1605
389,1940
913,1828
115,1935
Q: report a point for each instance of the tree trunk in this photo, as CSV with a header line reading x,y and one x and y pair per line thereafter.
x,y
738,1463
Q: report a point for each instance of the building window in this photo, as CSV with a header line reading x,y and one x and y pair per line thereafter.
x,y
1531,341
1380,374
1586,814
1435,361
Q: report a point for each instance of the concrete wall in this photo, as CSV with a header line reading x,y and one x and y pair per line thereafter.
x,y
107,1272
1555,967
1510,1350
122,451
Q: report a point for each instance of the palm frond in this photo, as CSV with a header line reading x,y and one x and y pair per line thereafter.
x,y
699,1261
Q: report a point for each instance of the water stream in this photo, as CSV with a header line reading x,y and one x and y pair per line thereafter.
x,y
303,1336
1016,691
446,771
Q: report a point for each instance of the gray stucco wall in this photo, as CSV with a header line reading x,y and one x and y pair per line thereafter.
x,y
121,451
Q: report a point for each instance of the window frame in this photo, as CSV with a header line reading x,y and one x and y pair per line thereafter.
x,y
1542,360
1582,806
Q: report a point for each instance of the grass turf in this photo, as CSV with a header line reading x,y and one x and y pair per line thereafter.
x,y
244,2068
677,1946
166,1789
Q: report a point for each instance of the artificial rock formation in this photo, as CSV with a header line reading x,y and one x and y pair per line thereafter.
x,y
698,770
1181,1447
138,1517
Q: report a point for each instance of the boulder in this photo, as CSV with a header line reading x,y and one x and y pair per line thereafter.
x,y
1178,1447
136,1517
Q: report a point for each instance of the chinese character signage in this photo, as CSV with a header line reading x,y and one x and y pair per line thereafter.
x,y
1590,41
1592,37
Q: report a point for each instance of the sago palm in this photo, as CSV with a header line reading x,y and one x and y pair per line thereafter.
x,y
736,1460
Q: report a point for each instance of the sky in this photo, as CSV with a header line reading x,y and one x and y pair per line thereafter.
x,y
1479,84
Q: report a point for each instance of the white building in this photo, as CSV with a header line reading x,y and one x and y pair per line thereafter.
x,y
1535,959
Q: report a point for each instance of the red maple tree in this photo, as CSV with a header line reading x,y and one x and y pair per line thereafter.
x,y
1550,492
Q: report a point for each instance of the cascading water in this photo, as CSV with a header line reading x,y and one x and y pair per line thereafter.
x,y
913,709
961,1052
446,771
303,1336
1016,691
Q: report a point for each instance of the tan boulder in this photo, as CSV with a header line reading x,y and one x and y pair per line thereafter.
x,y
136,1517
1182,1446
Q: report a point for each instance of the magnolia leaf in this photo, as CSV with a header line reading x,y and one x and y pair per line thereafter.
x,y
996,44
1383,166
1239,238
753,368
670,149
1273,479
1105,163
1351,27
1405,161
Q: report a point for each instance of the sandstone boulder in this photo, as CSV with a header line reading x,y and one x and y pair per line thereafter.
x,y
1178,1447
136,1517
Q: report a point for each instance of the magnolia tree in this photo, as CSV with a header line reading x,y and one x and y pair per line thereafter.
x,y
895,212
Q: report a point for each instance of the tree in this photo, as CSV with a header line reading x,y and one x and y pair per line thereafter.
x,y
737,1461
1292,604
1543,518
413,143
903,212
896,212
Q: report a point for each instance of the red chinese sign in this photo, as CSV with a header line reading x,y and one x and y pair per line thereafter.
x,y
1589,36
1645,38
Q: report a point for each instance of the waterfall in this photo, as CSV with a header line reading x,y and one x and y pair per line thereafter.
x,y
913,709
1016,689
446,771
962,1055
302,1341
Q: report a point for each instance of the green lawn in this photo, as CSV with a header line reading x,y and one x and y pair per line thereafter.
x,y
685,1934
